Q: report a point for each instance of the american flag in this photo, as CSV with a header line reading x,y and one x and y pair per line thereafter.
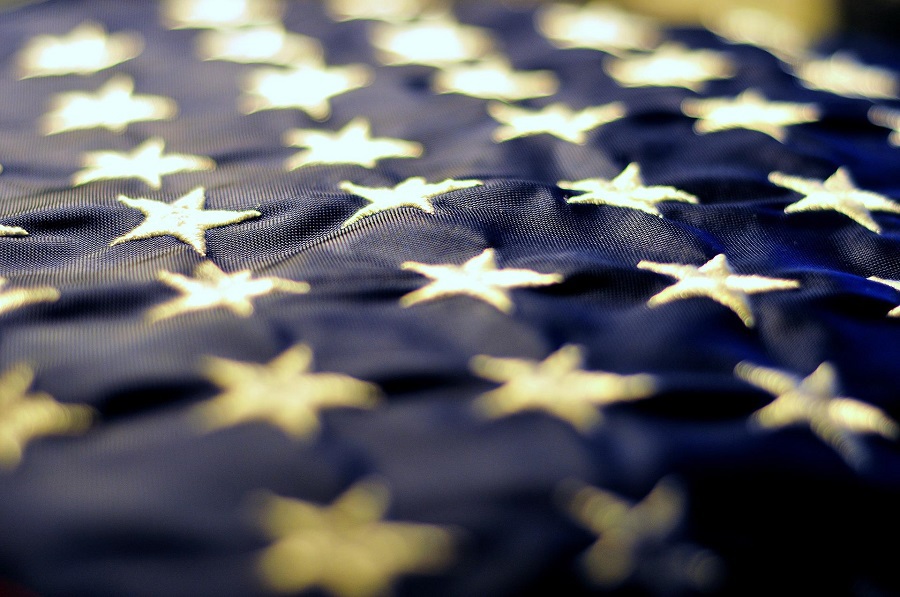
x,y
369,298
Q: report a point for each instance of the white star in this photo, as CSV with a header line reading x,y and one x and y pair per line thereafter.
x,y
391,11
433,41
763,29
494,78
895,284
478,278
12,231
670,65
85,50
306,87
749,110
842,74
412,192
12,299
220,14
598,26
888,118
351,145
556,119
837,193
264,43
813,401
185,219
114,106
715,280
145,162
625,190
211,287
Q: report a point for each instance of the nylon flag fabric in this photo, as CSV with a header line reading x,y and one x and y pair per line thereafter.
x,y
366,299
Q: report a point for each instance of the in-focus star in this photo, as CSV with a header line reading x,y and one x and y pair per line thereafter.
x,y
307,87
85,50
814,401
146,162
749,110
211,288
353,144
12,231
836,193
715,280
842,74
479,278
625,190
268,44
597,26
284,392
114,106
391,11
347,549
556,119
16,298
558,386
432,41
763,29
888,118
895,284
185,219
494,78
220,14
671,65
412,192
26,416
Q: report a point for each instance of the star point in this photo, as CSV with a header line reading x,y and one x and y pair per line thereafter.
x,y
556,119
353,144
267,44
412,192
147,162
12,231
671,65
479,278
888,118
435,41
625,190
494,78
842,74
717,281
12,299
85,50
220,14
749,110
895,284
596,26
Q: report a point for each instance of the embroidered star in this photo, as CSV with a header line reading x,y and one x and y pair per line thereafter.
x,y
114,106
185,219
715,280
670,65
494,78
351,145
895,284
597,26
625,190
412,192
85,50
347,548
211,287
837,193
220,14
556,119
28,416
146,162
749,110
264,43
888,118
306,87
813,401
479,278
391,11
558,386
16,298
12,231
763,29
433,41
842,74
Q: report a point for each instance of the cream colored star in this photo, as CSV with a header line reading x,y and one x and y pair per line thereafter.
x,y
347,549
16,298
412,192
494,78
625,190
715,280
185,219
837,193
671,65
220,14
558,386
211,287
351,145
146,162
284,392
842,74
479,278
391,11
813,401
597,26
114,106
763,29
895,284
12,231
269,44
888,118
307,87
28,416
749,110
433,41
85,50
556,119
